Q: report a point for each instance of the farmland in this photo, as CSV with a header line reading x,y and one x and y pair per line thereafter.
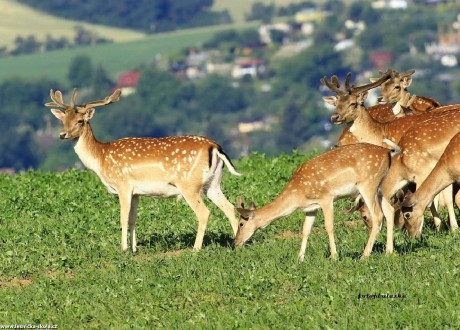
x,y
114,57
61,263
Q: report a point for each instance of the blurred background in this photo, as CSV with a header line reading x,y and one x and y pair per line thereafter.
x,y
243,72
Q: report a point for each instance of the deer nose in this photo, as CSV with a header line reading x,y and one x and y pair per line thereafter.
x,y
62,135
380,99
335,118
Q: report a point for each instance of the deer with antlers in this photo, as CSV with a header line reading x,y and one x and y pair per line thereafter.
x,y
178,166
445,172
366,129
316,184
394,91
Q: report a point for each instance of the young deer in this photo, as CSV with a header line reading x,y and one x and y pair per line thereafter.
x,y
317,183
179,166
446,172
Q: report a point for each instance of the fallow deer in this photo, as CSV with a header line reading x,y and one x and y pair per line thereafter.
x,y
178,166
446,172
421,149
394,91
317,183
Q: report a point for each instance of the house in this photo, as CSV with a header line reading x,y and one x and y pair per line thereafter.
x,y
390,4
250,66
381,59
127,82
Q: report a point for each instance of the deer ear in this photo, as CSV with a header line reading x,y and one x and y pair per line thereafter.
x,y
332,100
246,214
362,97
57,113
407,81
252,205
240,202
89,114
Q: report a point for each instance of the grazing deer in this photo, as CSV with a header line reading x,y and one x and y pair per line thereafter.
x,y
317,183
446,172
421,149
178,166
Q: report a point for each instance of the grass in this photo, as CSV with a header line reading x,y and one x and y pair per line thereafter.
x,y
115,57
61,263
21,20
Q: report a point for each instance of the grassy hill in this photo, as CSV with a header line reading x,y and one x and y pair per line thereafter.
x,y
114,57
20,20
238,9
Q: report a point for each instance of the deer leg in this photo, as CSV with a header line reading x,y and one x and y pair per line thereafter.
x,y
216,195
194,200
371,199
125,209
328,212
390,185
434,206
447,194
308,223
132,221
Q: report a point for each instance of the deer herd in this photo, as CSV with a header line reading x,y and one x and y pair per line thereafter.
x,y
396,159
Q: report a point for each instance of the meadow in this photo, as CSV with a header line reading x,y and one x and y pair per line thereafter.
x,y
115,58
61,263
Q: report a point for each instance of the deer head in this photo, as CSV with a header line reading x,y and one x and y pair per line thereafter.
x,y
246,227
75,117
395,88
413,216
348,101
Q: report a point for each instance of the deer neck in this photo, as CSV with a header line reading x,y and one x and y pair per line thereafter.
x,y
438,179
404,104
367,129
88,149
281,206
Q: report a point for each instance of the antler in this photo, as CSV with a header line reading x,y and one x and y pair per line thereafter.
x,y
58,100
333,85
407,73
115,97
363,88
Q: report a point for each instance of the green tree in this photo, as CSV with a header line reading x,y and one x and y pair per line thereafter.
x,y
81,71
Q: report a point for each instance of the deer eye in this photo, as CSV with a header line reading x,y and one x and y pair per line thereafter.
x,y
354,105
397,87
80,122
241,224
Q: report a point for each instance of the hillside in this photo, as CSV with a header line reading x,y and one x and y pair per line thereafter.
x,y
19,20
114,57
238,9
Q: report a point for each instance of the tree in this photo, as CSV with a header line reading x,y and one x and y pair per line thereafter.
x,y
80,71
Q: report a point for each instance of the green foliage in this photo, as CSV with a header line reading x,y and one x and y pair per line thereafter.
x,y
80,71
60,245
147,15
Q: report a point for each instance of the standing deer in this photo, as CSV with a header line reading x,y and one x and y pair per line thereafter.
x,y
317,183
446,172
178,166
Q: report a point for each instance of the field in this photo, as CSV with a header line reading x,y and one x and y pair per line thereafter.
x,y
61,263
20,20
115,57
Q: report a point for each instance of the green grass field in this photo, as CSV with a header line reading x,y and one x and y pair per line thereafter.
x,y
61,263
115,57
20,20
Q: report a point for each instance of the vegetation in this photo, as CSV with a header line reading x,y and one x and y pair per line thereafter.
x,y
147,15
60,240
